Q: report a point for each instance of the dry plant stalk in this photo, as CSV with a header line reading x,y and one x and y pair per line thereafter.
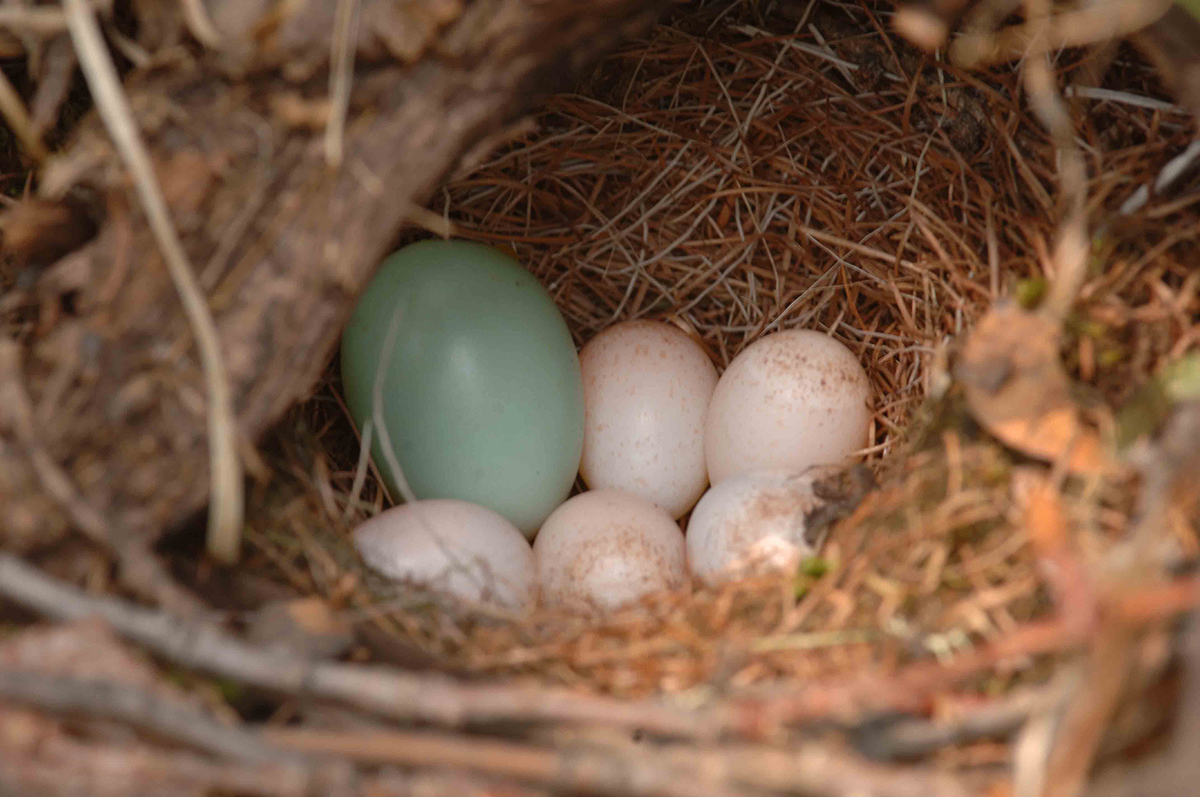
x,y
225,510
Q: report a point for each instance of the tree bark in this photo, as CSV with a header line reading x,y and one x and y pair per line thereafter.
x,y
108,369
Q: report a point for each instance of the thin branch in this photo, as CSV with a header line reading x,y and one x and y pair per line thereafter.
x,y
1046,34
620,773
226,509
813,769
41,20
999,720
383,690
121,769
1090,712
19,121
341,75
166,718
1071,250
199,23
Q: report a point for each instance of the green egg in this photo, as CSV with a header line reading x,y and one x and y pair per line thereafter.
x,y
482,393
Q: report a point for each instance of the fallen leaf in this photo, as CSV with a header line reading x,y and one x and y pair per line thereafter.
x,y
1016,388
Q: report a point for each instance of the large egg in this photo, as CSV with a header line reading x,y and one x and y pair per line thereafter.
x,y
606,548
482,393
750,523
789,401
454,548
646,387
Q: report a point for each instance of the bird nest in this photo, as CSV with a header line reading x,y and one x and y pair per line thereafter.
x,y
1013,554
735,180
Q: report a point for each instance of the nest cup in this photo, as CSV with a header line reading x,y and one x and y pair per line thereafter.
x,y
735,177
733,185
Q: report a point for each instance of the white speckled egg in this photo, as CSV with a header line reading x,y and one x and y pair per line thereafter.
x,y
606,548
750,523
454,548
790,400
646,387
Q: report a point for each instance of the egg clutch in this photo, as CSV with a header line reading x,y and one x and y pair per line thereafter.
x,y
459,367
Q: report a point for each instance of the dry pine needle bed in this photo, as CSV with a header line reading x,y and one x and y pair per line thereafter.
x,y
997,605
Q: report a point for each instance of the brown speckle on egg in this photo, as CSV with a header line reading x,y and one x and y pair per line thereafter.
x,y
607,548
750,523
790,400
646,392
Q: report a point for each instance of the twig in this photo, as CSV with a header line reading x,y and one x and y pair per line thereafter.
x,y
914,738
54,84
1042,34
198,22
341,75
1087,717
382,690
226,501
360,471
628,772
41,20
909,690
1070,254
167,718
19,121
813,769
380,427
63,765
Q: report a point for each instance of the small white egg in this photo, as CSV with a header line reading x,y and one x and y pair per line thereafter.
x,y
453,548
606,548
789,401
646,387
749,524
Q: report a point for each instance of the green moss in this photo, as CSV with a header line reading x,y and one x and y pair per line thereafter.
x,y
814,566
1111,355
1030,292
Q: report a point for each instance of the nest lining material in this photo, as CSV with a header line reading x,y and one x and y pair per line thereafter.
x,y
734,181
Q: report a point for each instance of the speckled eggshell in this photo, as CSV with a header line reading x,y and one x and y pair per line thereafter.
x,y
451,547
789,401
750,523
646,387
607,548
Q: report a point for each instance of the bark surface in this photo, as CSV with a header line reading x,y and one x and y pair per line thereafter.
x,y
101,383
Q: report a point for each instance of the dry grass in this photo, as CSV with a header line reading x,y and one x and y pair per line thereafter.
x,y
737,175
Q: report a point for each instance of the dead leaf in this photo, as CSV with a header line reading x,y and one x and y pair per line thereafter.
x,y
37,232
1016,388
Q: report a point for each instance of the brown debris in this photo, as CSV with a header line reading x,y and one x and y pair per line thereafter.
x,y
1016,387
37,232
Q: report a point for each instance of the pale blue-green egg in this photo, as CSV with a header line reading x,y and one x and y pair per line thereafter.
x,y
482,393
